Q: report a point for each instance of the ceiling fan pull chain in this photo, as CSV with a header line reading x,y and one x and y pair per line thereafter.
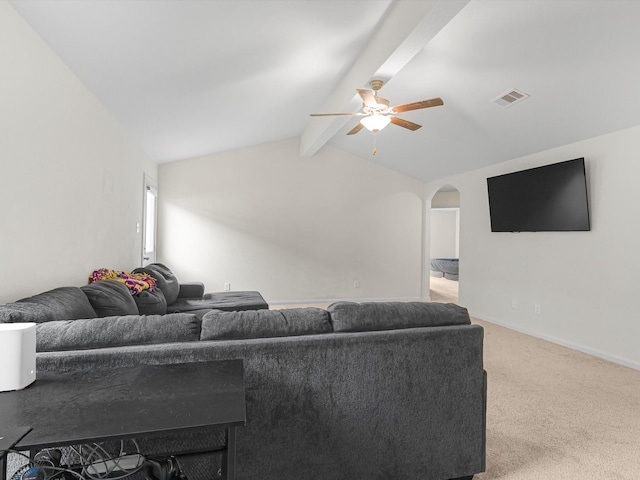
x,y
375,150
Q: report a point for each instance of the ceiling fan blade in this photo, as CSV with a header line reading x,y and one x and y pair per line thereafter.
x,y
433,102
355,129
368,97
405,123
335,114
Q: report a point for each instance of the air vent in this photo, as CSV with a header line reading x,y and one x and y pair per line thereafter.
x,y
510,98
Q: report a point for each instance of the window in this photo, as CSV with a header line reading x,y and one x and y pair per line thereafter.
x,y
150,219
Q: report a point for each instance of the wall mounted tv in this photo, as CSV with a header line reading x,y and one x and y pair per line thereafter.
x,y
551,198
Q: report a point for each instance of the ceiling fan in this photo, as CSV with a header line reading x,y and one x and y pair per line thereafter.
x,y
377,114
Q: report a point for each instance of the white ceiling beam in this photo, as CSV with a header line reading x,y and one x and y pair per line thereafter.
x,y
407,28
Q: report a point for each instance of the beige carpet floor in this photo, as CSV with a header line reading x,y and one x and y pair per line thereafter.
x,y
554,413
443,290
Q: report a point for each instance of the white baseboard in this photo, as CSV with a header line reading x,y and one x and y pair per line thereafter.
x,y
331,300
574,346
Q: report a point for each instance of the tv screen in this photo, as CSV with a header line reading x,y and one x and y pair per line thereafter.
x,y
551,198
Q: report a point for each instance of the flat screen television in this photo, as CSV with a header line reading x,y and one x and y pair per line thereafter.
x,y
551,198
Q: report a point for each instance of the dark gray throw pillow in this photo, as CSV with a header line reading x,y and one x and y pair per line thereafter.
x,y
365,317
110,298
116,332
264,323
151,303
63,303
165,280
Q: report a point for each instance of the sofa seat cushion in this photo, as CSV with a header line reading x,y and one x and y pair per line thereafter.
x,y
371,316
227,301
165,280
63,303
110,298
264,323
116,331
232,301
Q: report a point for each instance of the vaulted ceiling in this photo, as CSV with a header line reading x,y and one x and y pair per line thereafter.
x,y
193,77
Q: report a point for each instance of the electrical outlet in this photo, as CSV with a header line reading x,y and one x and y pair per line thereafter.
x,y
227,286
514,303
536,309
356,284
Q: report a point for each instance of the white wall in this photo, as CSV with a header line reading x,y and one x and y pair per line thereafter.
x,y
71,180
446,199
294,228
444,233
586,283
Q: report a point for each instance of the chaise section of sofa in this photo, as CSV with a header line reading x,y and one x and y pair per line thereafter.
x,y
190,297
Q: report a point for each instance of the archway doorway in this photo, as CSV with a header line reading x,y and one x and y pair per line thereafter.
x,y
444,249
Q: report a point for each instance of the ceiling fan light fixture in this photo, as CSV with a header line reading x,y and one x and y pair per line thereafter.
x,y
375,122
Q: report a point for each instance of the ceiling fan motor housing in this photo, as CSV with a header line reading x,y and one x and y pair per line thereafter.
x,y
376,85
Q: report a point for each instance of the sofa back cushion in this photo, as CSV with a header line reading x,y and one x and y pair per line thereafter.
x,y
364,317
165,280
23,313
110,298
264,323
63,303
116,332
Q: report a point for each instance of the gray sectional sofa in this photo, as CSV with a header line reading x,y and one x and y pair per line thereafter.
x,y
357,391
106,298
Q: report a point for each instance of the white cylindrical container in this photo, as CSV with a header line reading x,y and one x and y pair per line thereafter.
x,y
17,355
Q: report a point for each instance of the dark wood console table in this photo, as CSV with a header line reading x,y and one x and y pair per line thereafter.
x,y
121,403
